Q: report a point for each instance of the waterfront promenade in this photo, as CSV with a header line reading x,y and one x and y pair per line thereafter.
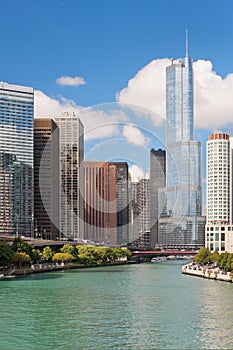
x,y
210,272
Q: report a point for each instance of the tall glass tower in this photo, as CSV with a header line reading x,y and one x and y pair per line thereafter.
x,y
16,159
181,224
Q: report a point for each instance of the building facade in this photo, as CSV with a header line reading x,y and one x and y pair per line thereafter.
x,y
144,218
219,228
16,150
100,205
134,216
46,179
182,224
123,201
157,180
71,154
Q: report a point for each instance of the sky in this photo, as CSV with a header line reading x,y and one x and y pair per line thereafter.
x,y
106,60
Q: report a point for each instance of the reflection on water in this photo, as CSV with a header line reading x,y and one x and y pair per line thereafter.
x,y
147,306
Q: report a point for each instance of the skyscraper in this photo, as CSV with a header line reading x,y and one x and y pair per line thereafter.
x,y
219,229
122,200
16,149
100,207
71,148
46,170
157,180
182,224
144,213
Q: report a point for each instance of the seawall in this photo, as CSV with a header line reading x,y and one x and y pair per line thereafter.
x,y
214,273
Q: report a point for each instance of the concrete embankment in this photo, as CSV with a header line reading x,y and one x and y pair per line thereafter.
x,y
49,267
214,273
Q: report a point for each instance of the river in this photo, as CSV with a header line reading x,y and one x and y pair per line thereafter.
x,y
143,306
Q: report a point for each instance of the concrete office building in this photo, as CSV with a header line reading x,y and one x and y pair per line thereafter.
x,y
100,205
71,153
219,225
46,179
134,216
123,201
144,218
157,180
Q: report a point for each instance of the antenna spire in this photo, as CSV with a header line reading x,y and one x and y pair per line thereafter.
x,y
187,46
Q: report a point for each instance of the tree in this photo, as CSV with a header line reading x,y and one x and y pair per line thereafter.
x,y
21,258
47,253
69,249
36,255
6,254
63,257
20,246
203,256
215,256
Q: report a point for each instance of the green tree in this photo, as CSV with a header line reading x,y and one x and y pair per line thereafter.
x,y
214,256
20,246
47,253
67,248
21,258
6,254
86,255
63,257
36,255
203,256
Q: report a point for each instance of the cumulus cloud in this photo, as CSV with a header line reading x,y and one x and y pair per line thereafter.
x,y
213,103
48,107
136,173
98,123
134,135
148,89
213,97
70,81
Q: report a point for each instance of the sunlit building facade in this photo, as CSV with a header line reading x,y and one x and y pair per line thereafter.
x,y
219,228
71,153
182,224
100,203
16,149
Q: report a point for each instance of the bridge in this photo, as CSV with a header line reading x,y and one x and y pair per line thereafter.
x,y
154,253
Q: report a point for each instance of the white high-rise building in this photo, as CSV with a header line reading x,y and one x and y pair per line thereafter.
x,y
219,228
71,149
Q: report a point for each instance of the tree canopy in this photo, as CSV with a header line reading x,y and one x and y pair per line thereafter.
x,y
6,254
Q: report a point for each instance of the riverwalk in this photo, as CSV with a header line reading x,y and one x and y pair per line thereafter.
x,y
50,267
209,272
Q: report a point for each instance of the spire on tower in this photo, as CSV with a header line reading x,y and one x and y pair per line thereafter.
x,y
187,43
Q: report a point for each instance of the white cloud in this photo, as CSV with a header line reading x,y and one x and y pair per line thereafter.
x,y
70,81
213,97
48,107
212,94
98,123
136,173
135,136
148,89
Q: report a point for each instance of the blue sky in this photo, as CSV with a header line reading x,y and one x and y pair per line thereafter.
x,y
107,43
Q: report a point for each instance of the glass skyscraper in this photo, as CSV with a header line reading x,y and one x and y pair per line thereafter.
x,y
16,159
181,223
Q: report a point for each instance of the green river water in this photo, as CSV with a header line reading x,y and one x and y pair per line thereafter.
x,y
143,306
